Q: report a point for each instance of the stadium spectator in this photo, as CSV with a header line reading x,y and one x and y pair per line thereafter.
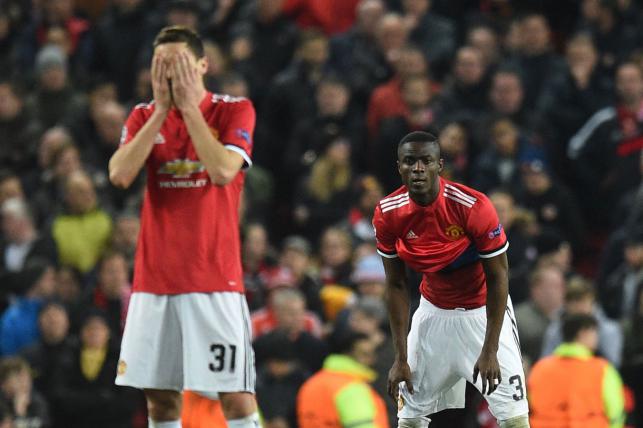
x,y
334,119
83,380
618,292
10,187
605,151
279,377
573,97
386,99
487,40
332,16
291,97
632,367
54,100
42,356
455,144
112,291
434,34
546,297
499,164
258,261
368,192
19,129
355,54
421,113
535,57
552,203
16,391
19,322
324,196
335,257
580,299
578,374
119,36
518,225
22,242
296,257
465,96
285,310
81,233
339,394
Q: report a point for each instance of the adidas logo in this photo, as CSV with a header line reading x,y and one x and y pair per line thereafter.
x,y
411,235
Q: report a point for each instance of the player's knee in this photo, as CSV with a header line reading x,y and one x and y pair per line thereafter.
x,y
421,422
237,405
521,421
163,405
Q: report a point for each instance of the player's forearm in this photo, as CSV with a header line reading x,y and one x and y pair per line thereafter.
x,y
497,292
127,161
220,163
397,303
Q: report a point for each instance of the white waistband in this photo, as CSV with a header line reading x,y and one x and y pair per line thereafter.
x,y
429,307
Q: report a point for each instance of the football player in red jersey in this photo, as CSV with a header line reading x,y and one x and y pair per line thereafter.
x,y
464,329
188,325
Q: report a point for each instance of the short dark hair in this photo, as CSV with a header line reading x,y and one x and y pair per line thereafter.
x,y
419,137
180,34
573,324
344,342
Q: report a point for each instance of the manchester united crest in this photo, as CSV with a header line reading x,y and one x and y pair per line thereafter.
x,y
454,232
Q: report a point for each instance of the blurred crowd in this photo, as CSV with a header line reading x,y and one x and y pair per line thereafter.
x,y
537,103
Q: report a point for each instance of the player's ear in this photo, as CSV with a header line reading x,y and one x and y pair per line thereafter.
x,y
441,165
398,167
202,65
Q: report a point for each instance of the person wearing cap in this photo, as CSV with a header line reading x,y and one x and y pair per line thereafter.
x,y
555,208
339,395
369,276
573,387
54,99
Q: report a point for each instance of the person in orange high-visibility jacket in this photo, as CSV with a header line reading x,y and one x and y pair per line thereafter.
x,y
201,412
572,388
339,395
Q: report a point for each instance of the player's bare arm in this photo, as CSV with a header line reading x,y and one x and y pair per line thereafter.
x,y
127,161
187,92
397,302
496,271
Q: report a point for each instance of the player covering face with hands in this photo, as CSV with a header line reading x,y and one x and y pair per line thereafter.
x,y
188,324
464,329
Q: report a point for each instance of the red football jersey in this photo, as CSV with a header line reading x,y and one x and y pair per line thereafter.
x,y
444,240
189,239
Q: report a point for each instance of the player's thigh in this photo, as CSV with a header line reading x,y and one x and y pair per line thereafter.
x,y
217,348
151,356
436,386
510,397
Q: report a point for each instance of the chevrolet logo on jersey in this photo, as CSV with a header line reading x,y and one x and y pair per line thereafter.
x,y
181,168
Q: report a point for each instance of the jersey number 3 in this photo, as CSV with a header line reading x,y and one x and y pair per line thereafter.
x,y
219,352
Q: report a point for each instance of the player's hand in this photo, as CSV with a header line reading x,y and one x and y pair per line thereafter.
x,y
160,85
185,88
400,372
489,369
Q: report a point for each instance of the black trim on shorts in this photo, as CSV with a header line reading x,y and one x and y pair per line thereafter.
x,y
514,330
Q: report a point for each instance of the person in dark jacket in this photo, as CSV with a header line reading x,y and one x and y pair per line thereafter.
x,y
84,393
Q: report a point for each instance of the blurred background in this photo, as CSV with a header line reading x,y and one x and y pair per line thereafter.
x,y
537,103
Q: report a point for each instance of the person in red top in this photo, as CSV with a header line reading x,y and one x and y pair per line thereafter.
x,y
464,328
188,325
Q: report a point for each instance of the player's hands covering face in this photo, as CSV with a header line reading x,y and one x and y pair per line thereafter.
x,y
489,369
160,85
185,89
400,372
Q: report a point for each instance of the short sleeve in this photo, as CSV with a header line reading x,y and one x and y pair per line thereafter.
x,y
384,238
133,124
485,230
237,134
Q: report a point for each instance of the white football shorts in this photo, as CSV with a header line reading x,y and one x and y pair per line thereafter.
x,y
195,341
443,346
